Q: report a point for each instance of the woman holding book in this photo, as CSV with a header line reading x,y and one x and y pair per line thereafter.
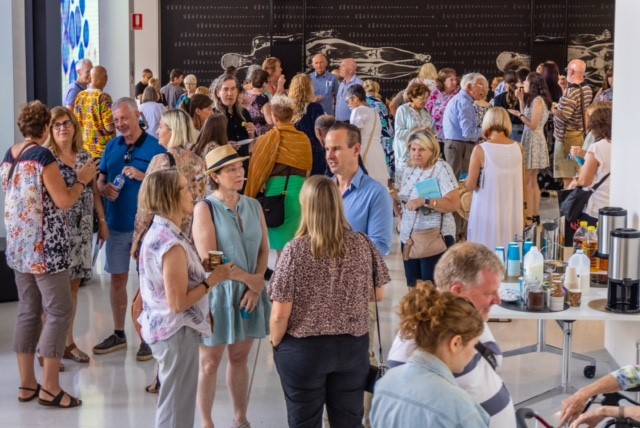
x,y
426,171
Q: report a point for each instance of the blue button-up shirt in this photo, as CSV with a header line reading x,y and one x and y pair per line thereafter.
x,y
459,122
325,85
424,393
72,92
343,112
369,209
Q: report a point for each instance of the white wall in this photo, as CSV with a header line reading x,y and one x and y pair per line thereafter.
x,y
116,47
14,86
147,40
620,337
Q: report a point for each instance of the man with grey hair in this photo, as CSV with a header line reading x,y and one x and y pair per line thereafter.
x,y
568,120
348,73
473,271
83,70
459,124
128,155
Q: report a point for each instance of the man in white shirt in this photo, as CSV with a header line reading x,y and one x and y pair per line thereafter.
x,y
473,271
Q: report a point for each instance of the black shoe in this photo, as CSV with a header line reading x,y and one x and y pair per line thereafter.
x,y
110,344
144,353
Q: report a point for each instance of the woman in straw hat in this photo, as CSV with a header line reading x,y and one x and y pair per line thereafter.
x,y
234,224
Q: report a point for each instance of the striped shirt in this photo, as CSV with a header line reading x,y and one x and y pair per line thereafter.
x,y
478,379
570,118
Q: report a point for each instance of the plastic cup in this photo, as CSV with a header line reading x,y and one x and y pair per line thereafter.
x,y
215,259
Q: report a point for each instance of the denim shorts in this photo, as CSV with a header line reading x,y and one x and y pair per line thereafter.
x,y
118,252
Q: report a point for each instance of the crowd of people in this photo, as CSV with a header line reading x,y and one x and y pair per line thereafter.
x,y
320,173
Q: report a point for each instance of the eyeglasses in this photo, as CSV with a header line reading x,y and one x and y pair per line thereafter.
x,y
127,155
58,126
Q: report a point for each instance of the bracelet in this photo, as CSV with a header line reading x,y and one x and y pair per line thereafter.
x,y
521,115
621,412
84,186
103,220
435,203
207,287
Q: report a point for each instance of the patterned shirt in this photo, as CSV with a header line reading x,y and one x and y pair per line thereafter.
x,y
628,377
37,238
93,110
329,296
157,320
436,104
571,111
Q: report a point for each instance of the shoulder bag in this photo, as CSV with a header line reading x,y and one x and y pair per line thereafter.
x,y
273,206
576,199
424,243
375,372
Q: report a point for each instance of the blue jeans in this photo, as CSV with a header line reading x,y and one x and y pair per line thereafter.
x,y
416,269
323,369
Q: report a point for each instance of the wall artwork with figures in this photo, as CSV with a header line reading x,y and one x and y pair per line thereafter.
x,y
388,40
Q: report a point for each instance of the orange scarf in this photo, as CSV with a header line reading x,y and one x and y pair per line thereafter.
x,y
283,144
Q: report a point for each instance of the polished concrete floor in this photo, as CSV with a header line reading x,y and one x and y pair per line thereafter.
x,y
112,386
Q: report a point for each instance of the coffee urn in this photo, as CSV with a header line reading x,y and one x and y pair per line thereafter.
x,y
609,218
624,271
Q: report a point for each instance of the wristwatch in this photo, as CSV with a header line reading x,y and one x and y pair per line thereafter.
x,y
426,202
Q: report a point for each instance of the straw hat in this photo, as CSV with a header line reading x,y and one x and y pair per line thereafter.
x,y
221,157
466,196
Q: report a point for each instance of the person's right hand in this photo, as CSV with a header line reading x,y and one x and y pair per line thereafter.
x,y
577,152
110,192
572,407
563,82
591,419
221,273
88,172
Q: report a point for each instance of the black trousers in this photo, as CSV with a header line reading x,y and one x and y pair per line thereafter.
x,y
323,369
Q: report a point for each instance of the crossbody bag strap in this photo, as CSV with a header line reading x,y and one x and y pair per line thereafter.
x,y
487,354
286,181
373,277
594,188
584,126
17,159
210,205
172,159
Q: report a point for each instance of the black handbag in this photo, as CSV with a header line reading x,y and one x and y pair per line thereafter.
x,y
375,372
576,199
273,206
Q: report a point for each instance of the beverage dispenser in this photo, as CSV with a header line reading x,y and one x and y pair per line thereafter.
x,y
624,271
609,218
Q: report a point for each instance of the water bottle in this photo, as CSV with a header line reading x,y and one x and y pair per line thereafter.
x,y
582,265
513,260
534,264
118,182
578,237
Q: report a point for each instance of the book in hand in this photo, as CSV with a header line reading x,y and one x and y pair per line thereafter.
x,y
428,189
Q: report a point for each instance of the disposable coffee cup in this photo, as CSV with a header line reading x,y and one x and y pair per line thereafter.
x,y
556,303
216,258
575,297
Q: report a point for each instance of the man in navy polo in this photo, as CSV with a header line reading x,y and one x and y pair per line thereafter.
x,y
325,84
129,155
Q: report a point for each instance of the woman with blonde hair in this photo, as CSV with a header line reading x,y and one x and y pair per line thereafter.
x,y
280,163
154,82
275,85
174,287
190,84
496,178
428,75
420,213
305,113
320,294
446,329
65,142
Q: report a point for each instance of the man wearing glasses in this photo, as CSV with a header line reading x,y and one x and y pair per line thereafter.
x,y
127,155
461,130
93,111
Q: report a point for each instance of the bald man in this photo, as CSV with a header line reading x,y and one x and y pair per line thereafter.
x,y
348,73
93,110
325,84
568,120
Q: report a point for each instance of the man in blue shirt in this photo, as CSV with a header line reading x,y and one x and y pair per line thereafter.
x,y
459,124
367,206
325,84
83,68
348,73
129,155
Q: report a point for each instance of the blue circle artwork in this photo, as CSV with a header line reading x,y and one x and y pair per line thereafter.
x,y
72,26
82,6
78,27
85,33
73,74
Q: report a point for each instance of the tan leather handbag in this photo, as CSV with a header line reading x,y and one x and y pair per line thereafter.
x,y
424,243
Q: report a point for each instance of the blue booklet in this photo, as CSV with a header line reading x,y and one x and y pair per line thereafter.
x,y
429,189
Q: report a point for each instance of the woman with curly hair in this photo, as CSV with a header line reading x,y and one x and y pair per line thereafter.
x,y
446,328
305,113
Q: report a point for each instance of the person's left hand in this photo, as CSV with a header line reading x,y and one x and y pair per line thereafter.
x,y
251,129
414,204
249,301
514,112
133,173
572,407
520,94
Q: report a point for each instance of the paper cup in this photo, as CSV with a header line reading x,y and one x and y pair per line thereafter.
x,y
215,259
575,297
556,303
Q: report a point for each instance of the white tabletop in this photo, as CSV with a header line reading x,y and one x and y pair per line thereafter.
x,y
584,312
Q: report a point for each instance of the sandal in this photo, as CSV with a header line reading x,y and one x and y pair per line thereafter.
x,y
154,388
72,352
57,399
41,362
36,392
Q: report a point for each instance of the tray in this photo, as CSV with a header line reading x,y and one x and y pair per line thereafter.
x,y
521,307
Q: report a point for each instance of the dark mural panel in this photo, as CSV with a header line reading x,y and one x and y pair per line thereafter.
x,y
389,40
